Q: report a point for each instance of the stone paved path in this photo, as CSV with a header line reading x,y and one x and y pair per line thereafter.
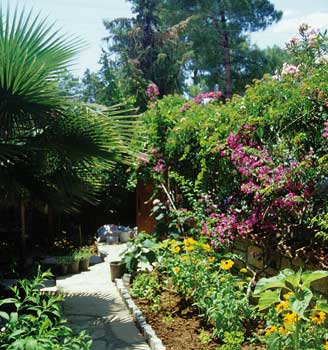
x,y
92,303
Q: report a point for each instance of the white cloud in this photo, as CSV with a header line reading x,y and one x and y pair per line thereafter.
x,y
279,33
291,24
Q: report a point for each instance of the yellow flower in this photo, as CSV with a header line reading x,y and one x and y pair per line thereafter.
x,y
283,305
185,258
326,345
226,264
290,318
282,330
172,241
288,295
176,249
189,248
243,270
270,330
209,293
176,269
318,317
206,247
222,279
207,267
189,241
211,259
249,279
240,283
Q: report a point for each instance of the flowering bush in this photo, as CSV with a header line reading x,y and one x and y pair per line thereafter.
x,y
297,317
272,198
203,276
260,160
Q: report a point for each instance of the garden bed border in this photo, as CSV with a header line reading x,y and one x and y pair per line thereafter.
x,y
149,334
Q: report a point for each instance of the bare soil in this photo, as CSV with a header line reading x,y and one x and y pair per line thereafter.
x,y
178,324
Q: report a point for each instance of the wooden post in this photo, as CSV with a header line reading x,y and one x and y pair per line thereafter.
x,y
144,221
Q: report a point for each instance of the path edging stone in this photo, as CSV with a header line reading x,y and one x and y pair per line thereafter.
x,y
149,334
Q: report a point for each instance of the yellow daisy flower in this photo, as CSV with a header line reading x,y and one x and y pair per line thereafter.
x,y
270,330
189,241
318,317
288,295
283,305
290,318
185,258
176,249
243,270
211,259
189,248
207,267
206,247
282,330
176,269
222,279
326,345
226,264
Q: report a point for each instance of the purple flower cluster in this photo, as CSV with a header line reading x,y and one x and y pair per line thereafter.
x,y
159,166
206,97
143,158
268,192
325,132
152,91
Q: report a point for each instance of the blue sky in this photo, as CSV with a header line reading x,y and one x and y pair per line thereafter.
x,y
84,18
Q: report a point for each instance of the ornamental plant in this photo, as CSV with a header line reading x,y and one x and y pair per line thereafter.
x,y
271,197
33,320
256,166
297,317
140,253
202,276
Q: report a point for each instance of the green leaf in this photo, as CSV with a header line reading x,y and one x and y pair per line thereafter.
x,y
268,283
4,315
148,243
7,301
260,132
293,279
310,276
268,298
323,306
160,217
301,301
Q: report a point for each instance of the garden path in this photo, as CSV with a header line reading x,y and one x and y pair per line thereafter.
x,y
92,303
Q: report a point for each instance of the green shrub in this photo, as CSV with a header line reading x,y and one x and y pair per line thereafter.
x,y
33,320
140,253
146,286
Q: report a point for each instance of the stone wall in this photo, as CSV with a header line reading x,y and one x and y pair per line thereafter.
x,y
268,263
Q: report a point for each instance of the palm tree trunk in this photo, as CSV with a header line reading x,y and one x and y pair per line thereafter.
x,y
51,229
23,229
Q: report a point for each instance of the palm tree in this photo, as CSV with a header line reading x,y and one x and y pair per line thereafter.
x,y
51,149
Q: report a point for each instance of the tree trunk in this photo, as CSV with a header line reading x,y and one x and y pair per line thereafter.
x,y
226,55
51,228
23,229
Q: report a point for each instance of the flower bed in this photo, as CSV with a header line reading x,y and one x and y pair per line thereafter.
x,y
194,292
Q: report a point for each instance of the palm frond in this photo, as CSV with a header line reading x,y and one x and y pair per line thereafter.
x,y
32,55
